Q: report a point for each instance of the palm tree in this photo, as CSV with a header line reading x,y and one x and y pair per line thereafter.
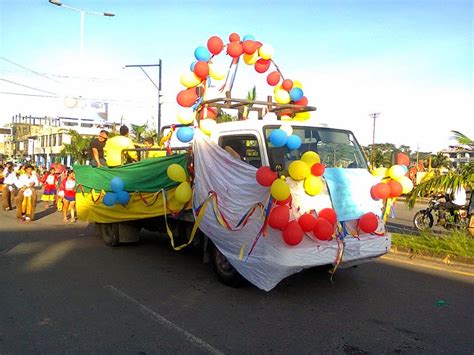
x,y
463,176
440,161
138,131
78,149
251,95
463,140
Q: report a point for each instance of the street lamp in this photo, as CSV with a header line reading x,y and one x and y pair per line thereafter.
x,y
82,12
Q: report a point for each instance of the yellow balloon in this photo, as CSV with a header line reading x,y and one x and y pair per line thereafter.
x,y
407,184
298,170
185,116
266,51
302,116
176,173
282,97
310,158
276,88
183,192
313,185
175,205
380,172
396,172
207,125
286,118
251,59
280,190
297,84
189,79
216,71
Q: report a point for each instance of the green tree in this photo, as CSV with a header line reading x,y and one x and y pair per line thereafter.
x,y
138,131
464,176
440,161
463,140
225,117
251,95
78,149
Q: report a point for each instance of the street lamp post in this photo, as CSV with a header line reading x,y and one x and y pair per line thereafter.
x,y
82,13
158,87
374,116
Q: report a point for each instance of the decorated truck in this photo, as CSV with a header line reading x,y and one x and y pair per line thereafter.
x,y
266,195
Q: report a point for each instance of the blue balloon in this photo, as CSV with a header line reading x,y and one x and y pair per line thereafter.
x,y
110,199
117,184
296,94
192,65
123,197
248,37
293,142
202,53
185,134
278,138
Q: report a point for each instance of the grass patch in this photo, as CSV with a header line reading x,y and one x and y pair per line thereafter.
x,y
456,243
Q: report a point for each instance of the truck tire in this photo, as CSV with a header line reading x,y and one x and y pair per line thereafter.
x,y
110,234
224,270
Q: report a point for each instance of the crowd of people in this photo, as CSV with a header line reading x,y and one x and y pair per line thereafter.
x,y
22,182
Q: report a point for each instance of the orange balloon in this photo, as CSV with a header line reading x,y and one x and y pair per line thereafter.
x,y
234,49
201,69
215,45
262,65
249,46
287,84
187,98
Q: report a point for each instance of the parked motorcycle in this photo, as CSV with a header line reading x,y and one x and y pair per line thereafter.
x,y
447,218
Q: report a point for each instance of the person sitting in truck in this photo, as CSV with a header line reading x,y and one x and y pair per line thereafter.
x,y
114,149
96,149
150,143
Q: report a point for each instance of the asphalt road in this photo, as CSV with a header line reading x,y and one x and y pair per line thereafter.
x,y
63,290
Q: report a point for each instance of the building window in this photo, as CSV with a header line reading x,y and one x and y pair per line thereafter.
x,y
60,139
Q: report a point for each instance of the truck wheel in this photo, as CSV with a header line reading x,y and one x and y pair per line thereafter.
x,y
224,270
110,234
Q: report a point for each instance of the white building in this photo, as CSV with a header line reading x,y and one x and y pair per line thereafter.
x,y
459,156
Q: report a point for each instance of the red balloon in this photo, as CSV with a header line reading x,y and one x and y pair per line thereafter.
x,y
201,69
234,49
211,112
307,222
368,223
259,44
293,233
215,45
329,215
266,176
284,202
249,46
273,78
187,98
396,188
381,191
287,84
318,169
323,230
262,65
403,159
279,217
234,37
375,198
302,102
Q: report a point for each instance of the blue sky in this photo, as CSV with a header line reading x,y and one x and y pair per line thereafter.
x,y
344,52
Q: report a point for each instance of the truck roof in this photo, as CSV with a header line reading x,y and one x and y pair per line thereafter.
x,y
259,124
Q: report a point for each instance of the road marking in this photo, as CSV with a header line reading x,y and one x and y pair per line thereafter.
x,y
165,322
464,273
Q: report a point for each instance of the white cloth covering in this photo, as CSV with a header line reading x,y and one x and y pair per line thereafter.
x,y
271,260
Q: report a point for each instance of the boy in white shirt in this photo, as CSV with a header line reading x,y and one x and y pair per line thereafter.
x,y
26,199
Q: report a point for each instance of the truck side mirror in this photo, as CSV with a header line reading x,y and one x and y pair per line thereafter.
x,y
276,158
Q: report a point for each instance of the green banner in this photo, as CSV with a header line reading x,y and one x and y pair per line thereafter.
x,y
148,175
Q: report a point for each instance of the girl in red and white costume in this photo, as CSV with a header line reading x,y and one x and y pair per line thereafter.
x,y
49,182
68,185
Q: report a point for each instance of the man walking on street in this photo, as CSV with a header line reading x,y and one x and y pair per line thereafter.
x,y
26,199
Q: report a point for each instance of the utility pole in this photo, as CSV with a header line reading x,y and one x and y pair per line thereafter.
x,y
372,157
158,87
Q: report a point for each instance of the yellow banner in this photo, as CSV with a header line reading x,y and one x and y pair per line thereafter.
x,y
142,205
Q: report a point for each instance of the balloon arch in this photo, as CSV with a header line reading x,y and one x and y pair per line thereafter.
x,y
288,94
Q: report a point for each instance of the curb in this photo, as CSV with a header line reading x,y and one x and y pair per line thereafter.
x,y
454,261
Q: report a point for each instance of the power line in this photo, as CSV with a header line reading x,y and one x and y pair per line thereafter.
x,y
28,87
30,70
23,94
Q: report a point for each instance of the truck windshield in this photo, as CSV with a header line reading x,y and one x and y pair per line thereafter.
x,y
336,148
